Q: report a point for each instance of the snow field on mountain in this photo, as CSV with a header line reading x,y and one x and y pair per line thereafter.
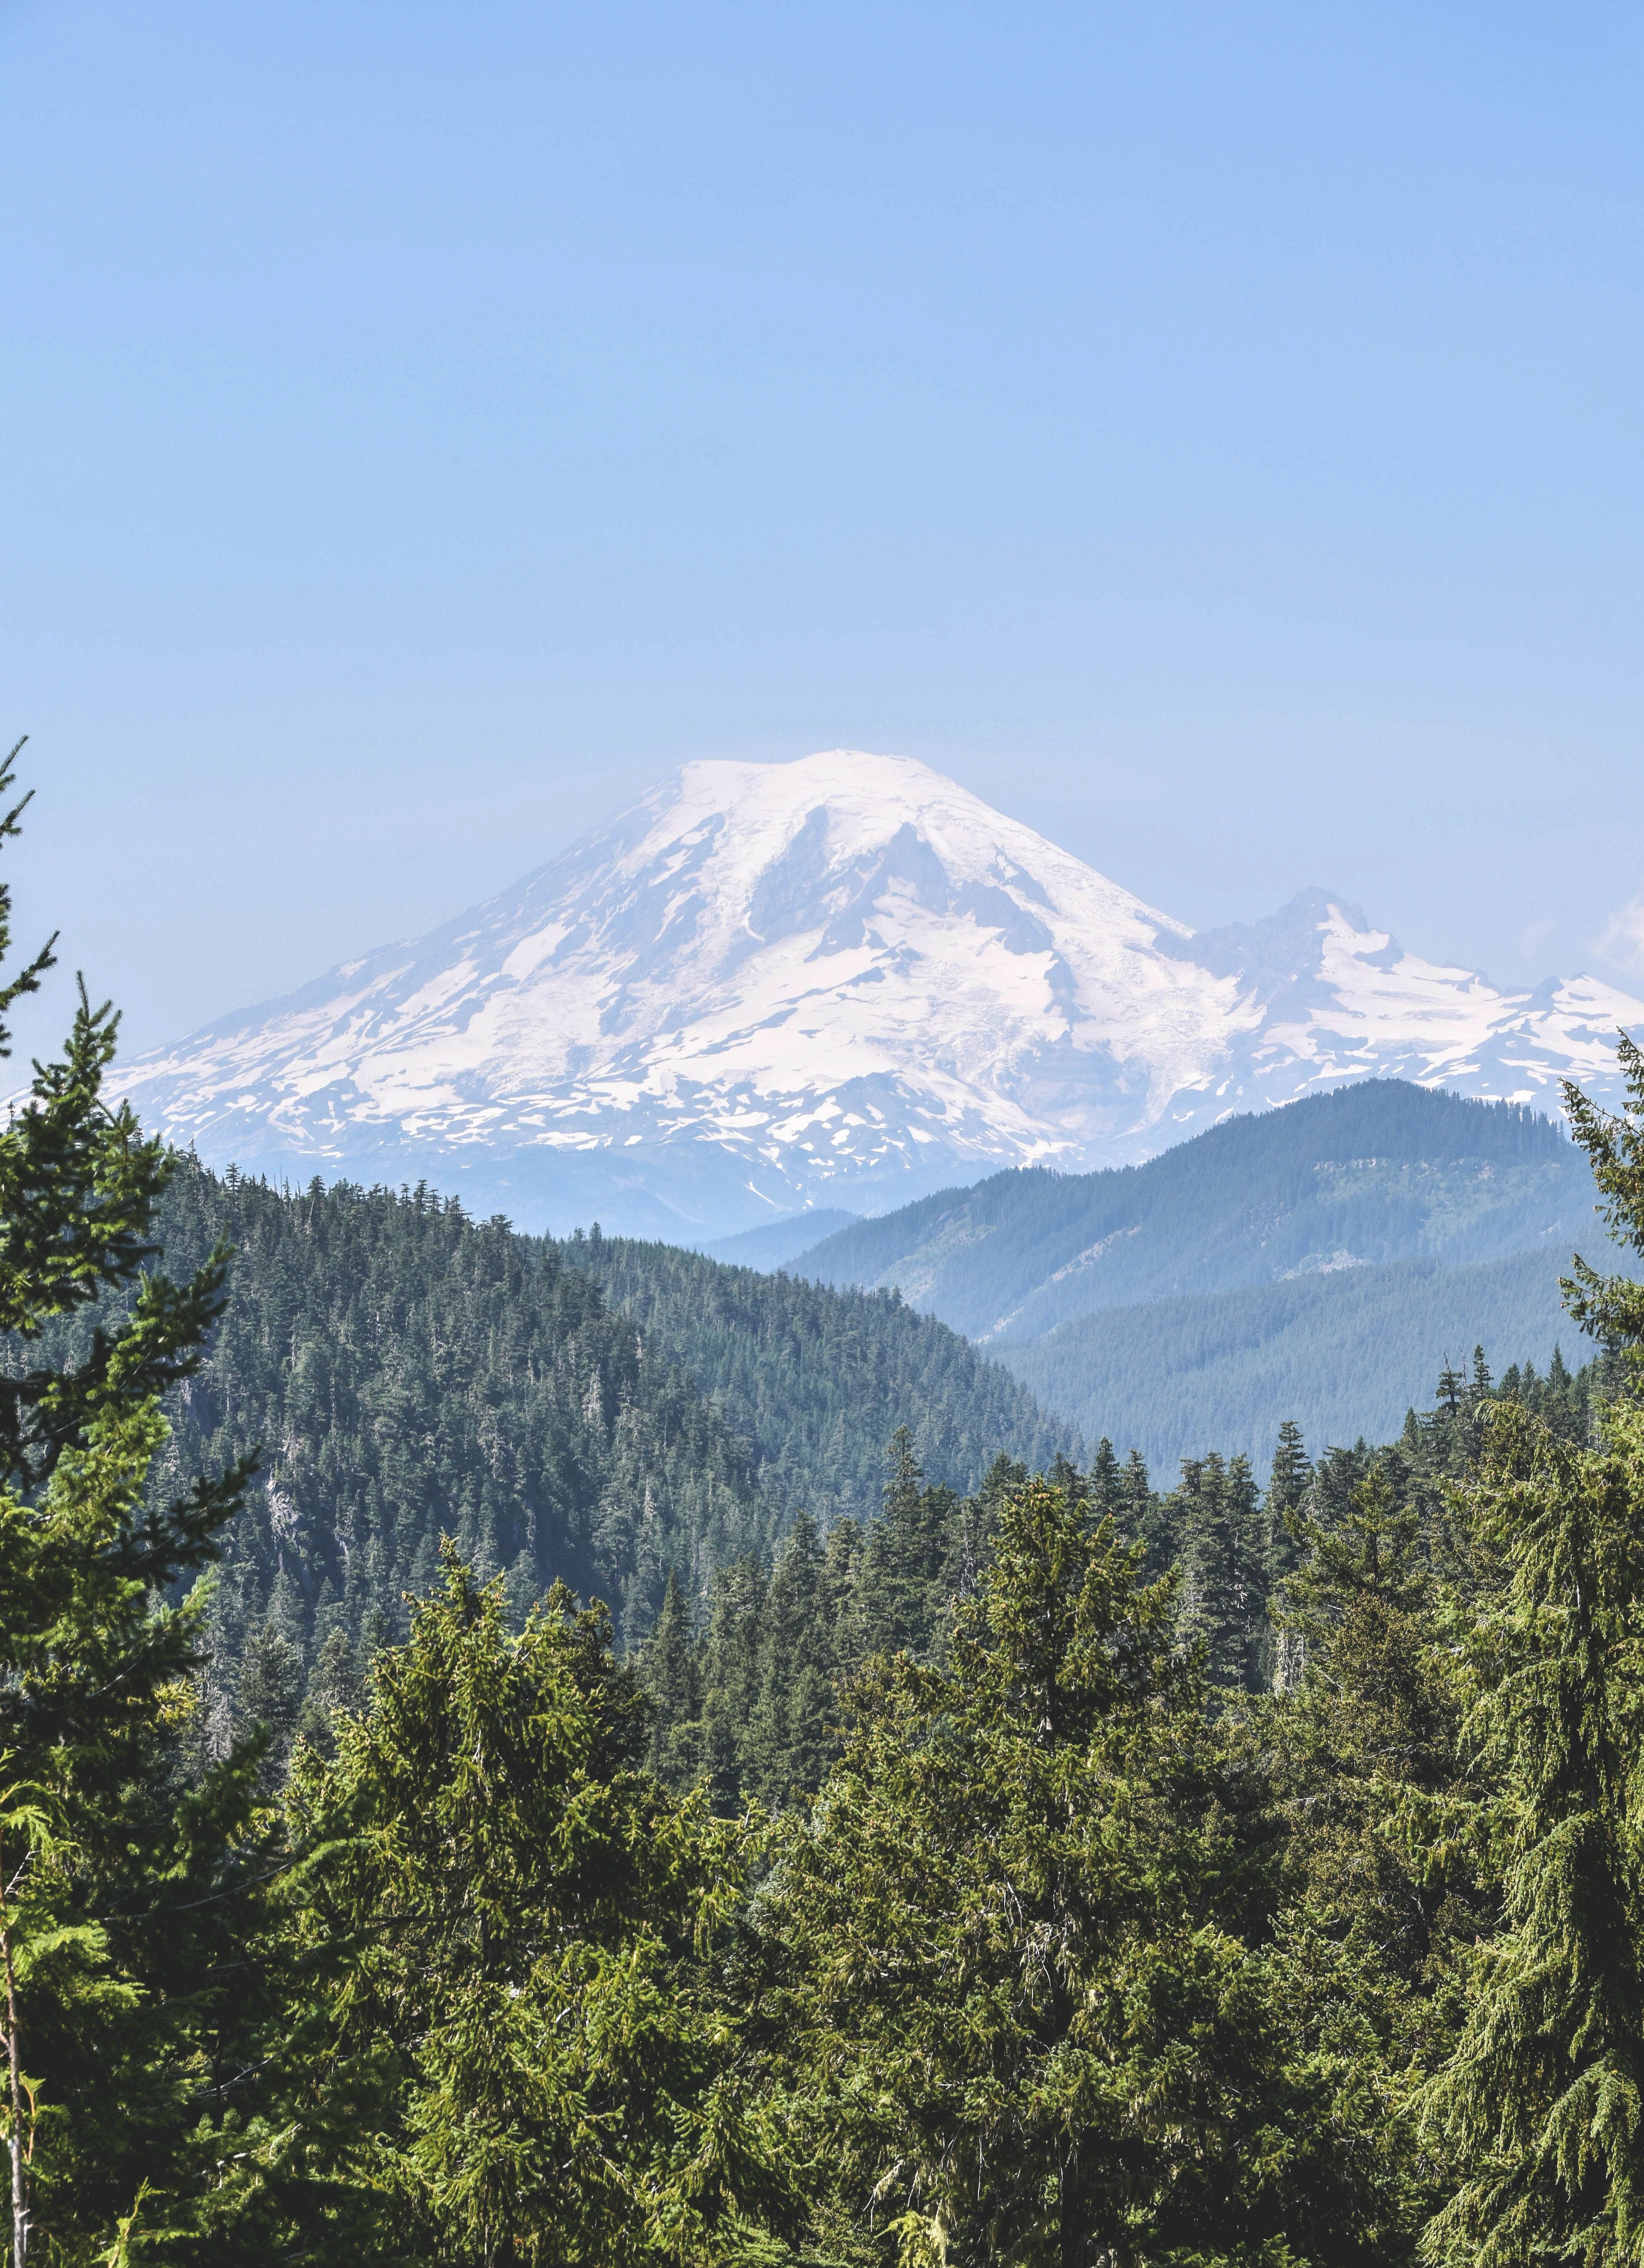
x,y
837,980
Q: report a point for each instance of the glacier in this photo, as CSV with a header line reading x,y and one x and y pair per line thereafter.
x,y
839,981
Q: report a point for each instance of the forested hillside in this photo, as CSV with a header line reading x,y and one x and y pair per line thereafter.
x,y
1374,1173
402,1372
1342,1354
816,1381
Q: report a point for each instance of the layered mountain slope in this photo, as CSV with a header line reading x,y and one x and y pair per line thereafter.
x,y
1346,1356
774,1243
840,981
1374,1172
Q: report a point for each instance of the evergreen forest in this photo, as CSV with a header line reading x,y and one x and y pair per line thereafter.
x,y
1062,1865
602,1414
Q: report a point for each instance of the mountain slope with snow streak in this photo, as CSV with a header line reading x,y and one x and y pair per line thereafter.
x,y
839,981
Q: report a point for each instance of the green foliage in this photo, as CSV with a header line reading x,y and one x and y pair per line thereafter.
x,y
1612,1308
1365,1729
127,1900
511,2053
751,1700
1006,1984
748,1705
1216,1522
1542,2101
743,1694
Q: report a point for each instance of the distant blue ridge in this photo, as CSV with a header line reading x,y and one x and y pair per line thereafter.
x,y
1345,1355
1318,1261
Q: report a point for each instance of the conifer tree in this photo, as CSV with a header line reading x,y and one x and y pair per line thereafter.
x,y
335,1687
1214,1516
791,1742
1371,1728
1612,1308
668,1665
1292,1469
1275,1655
1105,1481
1542,2103
907,1553
513,2056
730,1680
269,1698
1142,1519
1288,1486
120,1883
1025,2033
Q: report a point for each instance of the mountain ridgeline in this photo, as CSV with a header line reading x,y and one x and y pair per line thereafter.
x,y
779,1241
1319,1262
1379,1171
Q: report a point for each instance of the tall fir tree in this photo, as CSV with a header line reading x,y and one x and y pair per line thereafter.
x,y
1004,1986
909,1552
1612,1308
123,1887
1369,1733
1289,1482
1213,1517
1543,2098
1541,2104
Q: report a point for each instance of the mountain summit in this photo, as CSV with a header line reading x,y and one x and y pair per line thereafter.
x,y
843,980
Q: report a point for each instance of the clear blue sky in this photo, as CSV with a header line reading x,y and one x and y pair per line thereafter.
x,y
1211,433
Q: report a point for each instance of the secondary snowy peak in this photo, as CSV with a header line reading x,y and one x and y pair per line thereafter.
x,y
1339,997
839,979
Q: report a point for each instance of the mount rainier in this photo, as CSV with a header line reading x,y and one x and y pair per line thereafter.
x,y
839,981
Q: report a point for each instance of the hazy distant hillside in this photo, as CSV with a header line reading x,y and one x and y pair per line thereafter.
x,y
1372,1174
776,1242
1345,1354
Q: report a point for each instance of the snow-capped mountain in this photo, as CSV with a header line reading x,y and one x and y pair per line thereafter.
x,y
839,981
